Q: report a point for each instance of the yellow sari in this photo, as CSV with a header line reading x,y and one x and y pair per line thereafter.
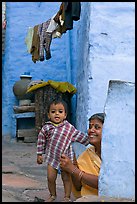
x,y
89,162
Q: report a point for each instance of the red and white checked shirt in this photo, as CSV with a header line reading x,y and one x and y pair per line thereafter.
x,y
55,140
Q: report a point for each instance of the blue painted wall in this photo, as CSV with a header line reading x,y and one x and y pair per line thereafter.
x,y
20,16
107,52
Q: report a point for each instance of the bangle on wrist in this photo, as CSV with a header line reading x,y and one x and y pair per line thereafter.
x,y
81,174
73,170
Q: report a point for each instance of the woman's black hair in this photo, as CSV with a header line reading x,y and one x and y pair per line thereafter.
x,y
57,101
99,116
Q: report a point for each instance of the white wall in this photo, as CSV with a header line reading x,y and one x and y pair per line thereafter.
x,y
117,174
110,54
112,48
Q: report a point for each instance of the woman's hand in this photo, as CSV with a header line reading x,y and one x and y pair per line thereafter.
x,y
66,164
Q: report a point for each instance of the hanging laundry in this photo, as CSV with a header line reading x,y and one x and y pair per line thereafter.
x,y
35,45
60,19
29,38
68,12
53,28
45,40
72,12
39,38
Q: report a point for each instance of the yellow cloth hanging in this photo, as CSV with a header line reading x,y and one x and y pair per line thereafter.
x,y
59,86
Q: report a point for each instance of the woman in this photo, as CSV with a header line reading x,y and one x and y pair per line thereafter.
x,y
85,171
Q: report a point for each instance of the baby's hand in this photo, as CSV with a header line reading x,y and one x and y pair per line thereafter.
x,y
39,159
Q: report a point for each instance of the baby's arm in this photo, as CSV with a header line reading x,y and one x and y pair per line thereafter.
x,y
39,159
41,146
80,137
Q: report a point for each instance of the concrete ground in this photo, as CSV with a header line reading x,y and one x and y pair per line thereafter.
x,y
23,179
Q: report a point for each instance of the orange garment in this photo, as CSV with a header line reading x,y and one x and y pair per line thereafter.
x,y
88,162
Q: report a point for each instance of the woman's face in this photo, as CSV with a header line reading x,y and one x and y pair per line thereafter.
x,y
95,131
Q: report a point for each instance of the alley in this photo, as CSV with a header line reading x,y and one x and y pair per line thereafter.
x,y
23,179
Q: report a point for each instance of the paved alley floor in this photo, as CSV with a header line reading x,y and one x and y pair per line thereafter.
x,y
23,179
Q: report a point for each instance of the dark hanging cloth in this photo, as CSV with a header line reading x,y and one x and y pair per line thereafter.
x,y
72,12
45,40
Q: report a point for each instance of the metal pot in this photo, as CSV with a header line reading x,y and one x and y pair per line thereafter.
x,y
20,87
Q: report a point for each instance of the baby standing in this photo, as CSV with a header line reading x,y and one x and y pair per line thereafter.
x,y
55,139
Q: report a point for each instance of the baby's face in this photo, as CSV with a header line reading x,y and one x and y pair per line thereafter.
x,y
57,113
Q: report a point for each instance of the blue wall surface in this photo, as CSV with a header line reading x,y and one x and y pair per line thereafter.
x,y
20,16
117,174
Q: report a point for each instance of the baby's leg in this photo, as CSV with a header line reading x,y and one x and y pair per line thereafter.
x,y
51,176
67,183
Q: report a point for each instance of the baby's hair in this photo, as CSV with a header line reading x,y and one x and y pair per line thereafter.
x,y
57,101
99,116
